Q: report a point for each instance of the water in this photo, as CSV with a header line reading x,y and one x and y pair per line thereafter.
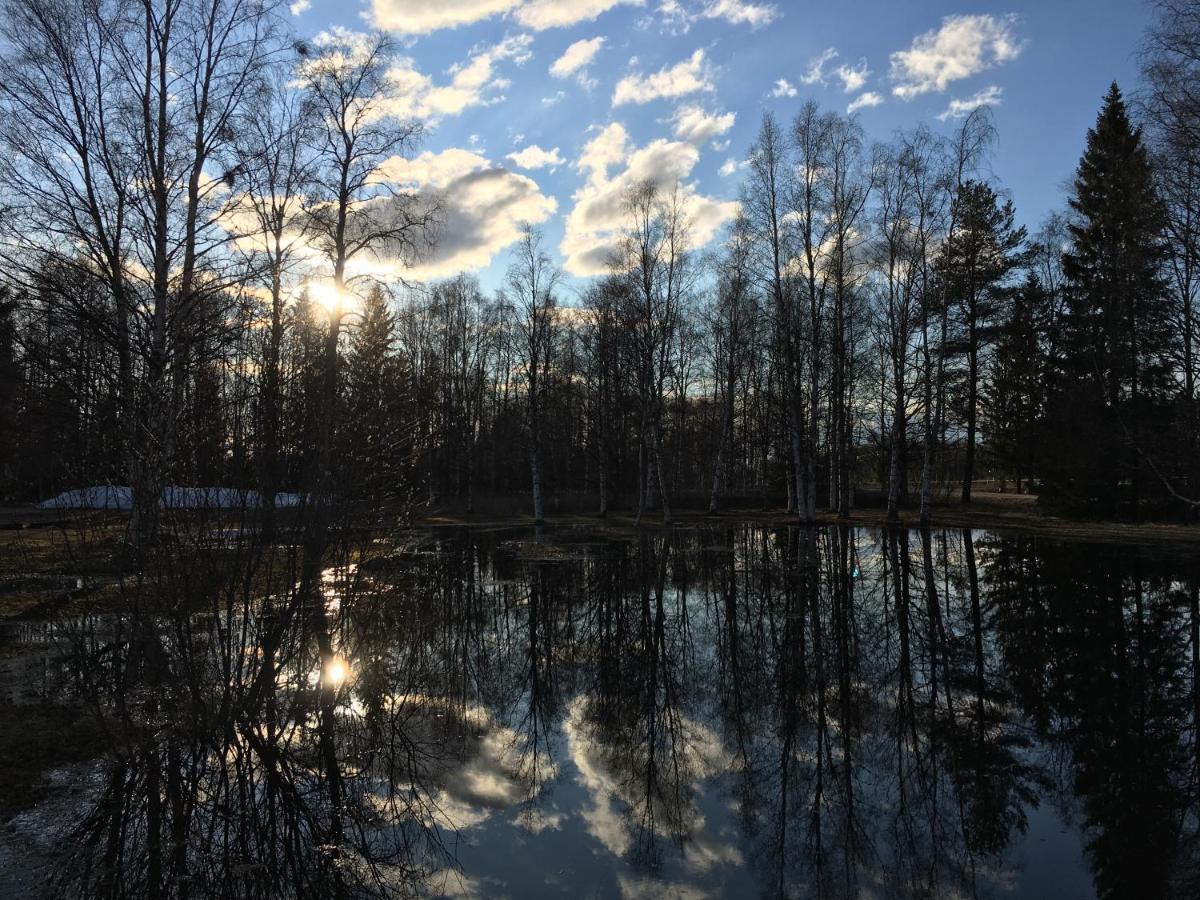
x,y
732,711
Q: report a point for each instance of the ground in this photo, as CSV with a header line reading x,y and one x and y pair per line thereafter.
x,y
990,510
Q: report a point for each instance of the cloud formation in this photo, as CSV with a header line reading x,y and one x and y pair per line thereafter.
x,y
815,74
534,157
687,77
425,16
853,77
963,46
784,88
678,16
593,226
576,59
739,12
731,167
694,125
472,83
483,207
542,14
864,101
959,108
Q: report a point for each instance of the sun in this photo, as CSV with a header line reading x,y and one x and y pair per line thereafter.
x,y
326,295
336,671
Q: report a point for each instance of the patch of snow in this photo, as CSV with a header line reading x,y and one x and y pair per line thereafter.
x,y
109,496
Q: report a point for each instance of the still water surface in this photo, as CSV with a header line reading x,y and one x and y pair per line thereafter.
x,y
725,711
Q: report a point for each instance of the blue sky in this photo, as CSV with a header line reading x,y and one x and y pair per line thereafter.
x,y
541,110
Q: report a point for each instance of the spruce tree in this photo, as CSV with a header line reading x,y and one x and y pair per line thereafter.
x,y
1014,393
975,265
370,421
1118,342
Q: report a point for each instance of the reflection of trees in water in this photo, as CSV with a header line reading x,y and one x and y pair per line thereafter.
x,y
1113,637
918,695
259,745
642,686
884,709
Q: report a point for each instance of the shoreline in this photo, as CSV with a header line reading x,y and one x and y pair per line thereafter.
x,y
1019,516
991,511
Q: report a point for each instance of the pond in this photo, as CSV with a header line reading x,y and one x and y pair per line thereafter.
x,y
716,711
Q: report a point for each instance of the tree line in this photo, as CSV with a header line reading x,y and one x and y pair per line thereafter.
x,y
191,194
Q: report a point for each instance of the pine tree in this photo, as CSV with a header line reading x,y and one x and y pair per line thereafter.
x,y
1118,343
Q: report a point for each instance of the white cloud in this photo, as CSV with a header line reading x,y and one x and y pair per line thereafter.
x,y
300,6
605,150
594,224
783,88
989,96
424,16
853,77
534,157
472,83
731,166
863,101
815,74
687,77
542,14
963,46
694,125
678,17
483,207
576,59
430,170
553,99
739,12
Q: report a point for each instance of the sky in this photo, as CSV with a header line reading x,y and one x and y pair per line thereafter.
x,y
544,110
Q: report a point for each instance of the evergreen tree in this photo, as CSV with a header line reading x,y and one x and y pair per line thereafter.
x,y
1014,392
975,264
1109,409
10,385
371,425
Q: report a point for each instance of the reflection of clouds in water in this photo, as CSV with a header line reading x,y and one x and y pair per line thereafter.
x,y
492,779
608,818
705,852
605,822
454,885
535,820
635,888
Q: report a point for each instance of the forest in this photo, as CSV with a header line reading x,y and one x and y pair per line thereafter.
x,y
188,192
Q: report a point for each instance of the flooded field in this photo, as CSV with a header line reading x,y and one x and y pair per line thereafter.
x,y
721,711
